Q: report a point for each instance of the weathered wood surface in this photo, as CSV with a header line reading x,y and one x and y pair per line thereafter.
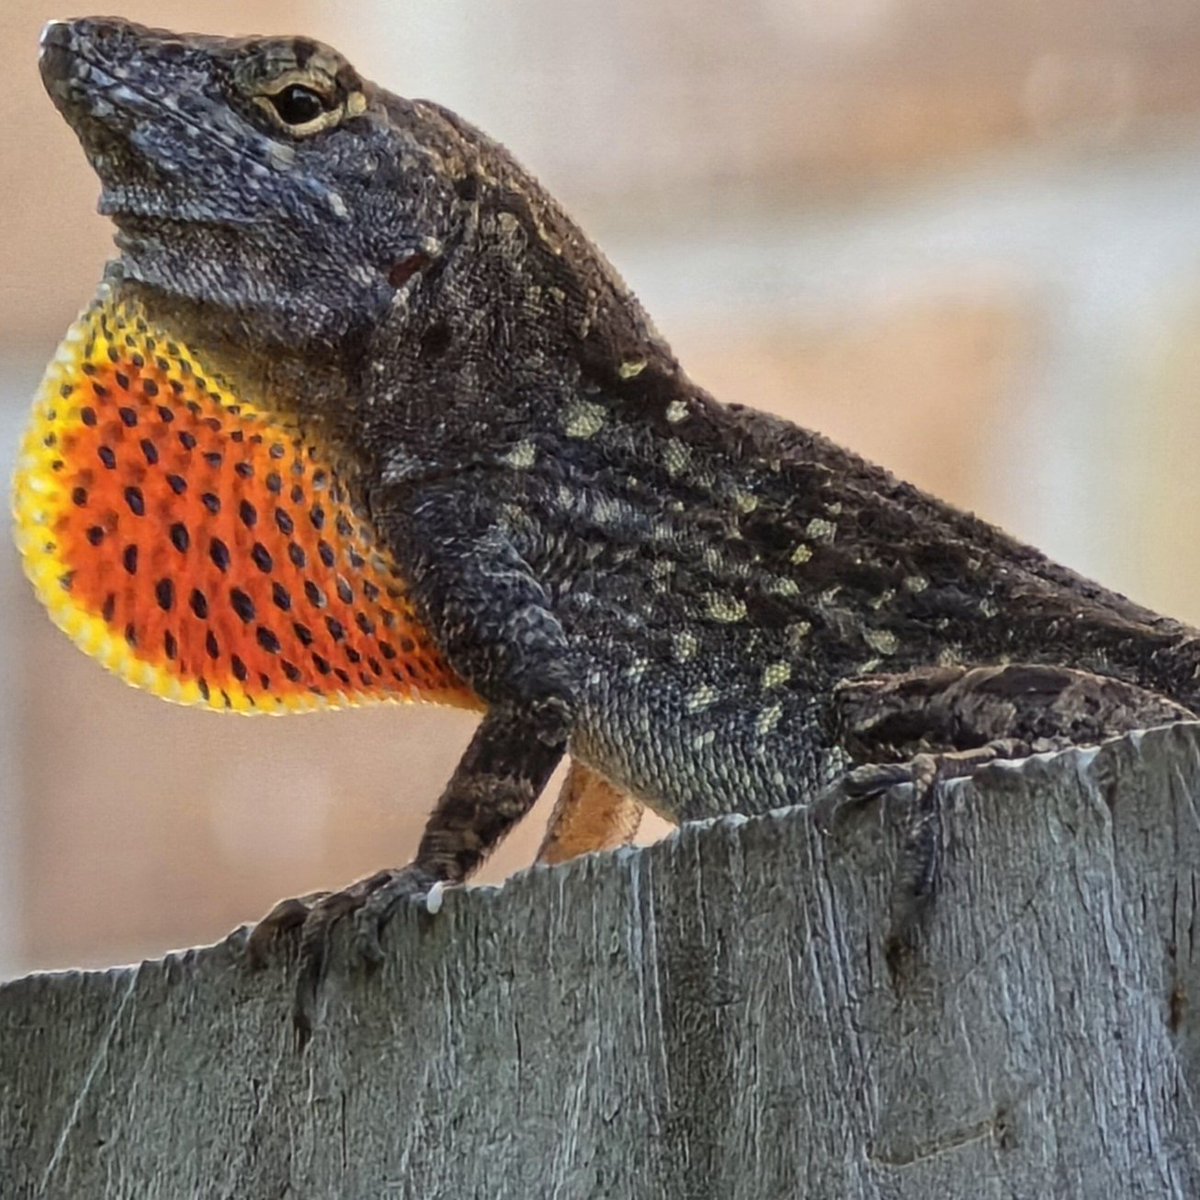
x,y
711,1017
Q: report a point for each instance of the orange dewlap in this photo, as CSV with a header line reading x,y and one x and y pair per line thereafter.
x,y
198,545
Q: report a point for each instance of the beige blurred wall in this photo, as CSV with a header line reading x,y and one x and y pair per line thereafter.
x,y
958,235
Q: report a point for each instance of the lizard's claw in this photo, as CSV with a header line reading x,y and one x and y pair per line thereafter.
x,y
279,926
858,786
410,885
918,873
876,779
370,903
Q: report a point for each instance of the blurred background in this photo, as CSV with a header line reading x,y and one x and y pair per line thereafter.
x,y
962,236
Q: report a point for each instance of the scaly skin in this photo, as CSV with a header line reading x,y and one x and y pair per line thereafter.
x,y
712,609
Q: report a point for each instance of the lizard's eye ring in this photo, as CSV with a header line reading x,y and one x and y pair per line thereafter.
x,y
303,106
298,105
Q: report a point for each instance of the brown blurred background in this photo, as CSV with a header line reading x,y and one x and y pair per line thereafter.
x,y
961,235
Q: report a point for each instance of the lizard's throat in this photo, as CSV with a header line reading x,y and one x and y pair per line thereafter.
x,y
200,545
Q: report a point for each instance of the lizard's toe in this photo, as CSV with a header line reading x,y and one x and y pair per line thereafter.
x,y
310,921
316,938
279,927
409,885
876,779
856,787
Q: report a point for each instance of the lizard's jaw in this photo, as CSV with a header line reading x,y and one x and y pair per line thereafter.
x,y
200,545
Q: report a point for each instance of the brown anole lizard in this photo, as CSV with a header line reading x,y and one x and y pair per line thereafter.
x,y
361,414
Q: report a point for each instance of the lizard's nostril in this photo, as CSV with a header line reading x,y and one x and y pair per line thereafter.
x,y
55,33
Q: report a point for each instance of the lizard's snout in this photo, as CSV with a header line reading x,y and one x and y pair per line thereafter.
x,y
55,50
67,48
54,33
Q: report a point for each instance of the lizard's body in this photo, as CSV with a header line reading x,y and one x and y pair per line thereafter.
x,y
712,609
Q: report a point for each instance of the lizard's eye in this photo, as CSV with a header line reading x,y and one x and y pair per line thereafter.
x,y
300,108
297,105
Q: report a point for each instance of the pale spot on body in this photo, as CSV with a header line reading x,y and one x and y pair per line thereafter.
x,y
882,641
950,656
686,645
700,698
724,608
677,410
798,631
281,154
801,554
776,674
768,718
676,457
631,369
821,530
718,564
521,457
916,584
704,739
583,419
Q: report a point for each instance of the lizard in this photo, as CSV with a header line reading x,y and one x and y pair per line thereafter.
x,y
360,413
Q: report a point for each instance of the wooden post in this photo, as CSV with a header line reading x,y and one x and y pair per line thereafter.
x,y
708,1017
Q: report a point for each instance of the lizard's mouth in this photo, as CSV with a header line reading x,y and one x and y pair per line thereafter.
x,y
199,545
104,113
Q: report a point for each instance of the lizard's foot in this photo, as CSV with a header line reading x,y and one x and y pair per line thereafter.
x,y
369,903
279,926
919,872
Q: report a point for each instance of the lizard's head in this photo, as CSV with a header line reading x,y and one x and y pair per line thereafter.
x,y
247,173
265,183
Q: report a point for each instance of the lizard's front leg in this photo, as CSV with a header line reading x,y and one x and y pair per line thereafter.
x,y
917,730
493,620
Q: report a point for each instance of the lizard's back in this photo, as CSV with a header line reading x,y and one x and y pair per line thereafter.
x,y
720,571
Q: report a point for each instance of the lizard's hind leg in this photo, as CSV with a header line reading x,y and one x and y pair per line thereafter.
x,y
919,729
590,815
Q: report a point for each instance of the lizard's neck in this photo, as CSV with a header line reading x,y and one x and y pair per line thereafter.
x,y
305,377
455,348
